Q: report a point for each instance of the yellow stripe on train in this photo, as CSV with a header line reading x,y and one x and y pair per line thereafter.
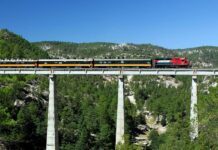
x,y
122,65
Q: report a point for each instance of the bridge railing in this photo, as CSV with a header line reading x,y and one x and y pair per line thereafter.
x,y
110,71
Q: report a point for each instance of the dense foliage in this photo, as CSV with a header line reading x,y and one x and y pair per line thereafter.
x,y
87,104
13,46
174,107
87,112
23,120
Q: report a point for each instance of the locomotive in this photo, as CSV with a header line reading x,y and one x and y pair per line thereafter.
x,y
175,62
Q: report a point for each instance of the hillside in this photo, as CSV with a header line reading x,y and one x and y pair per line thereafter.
x,y
22,105
14,46
156,107
101,50
85,114
157,97
205,56
165,103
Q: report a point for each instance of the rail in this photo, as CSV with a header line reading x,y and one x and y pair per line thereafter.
x,y
109,71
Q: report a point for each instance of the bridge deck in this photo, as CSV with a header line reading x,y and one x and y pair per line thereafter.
x,y
108,71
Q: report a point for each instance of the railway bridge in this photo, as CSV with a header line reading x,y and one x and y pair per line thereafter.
x,y
52,134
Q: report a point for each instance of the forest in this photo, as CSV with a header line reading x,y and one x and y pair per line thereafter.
x,y
87,104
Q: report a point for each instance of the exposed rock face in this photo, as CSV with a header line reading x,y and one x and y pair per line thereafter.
x,y
45,93
130,93
122,46
2,85
31,92
18,103
132,99
142,127
46,47
207,84
2,146
214,84
162,130
204,64
142,139
152,122
109,78
169,81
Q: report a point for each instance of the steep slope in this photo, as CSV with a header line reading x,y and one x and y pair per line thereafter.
x,y
170,105
13,46
22,106
87,105
86,115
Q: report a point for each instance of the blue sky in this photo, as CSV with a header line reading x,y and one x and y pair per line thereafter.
x,y
167,23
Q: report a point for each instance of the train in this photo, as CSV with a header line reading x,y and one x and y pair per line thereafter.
x,y
175,62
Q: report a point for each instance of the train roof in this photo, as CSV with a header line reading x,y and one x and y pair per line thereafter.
x,y
122,59
17,60
164,58
94,60
65,60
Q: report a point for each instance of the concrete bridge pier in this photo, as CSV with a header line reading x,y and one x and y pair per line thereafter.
x,y
194,111
120,112
52,134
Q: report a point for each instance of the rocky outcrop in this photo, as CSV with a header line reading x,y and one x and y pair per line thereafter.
x,y
31,92
2,85
169,81
208,82
19,103
152,122
2,146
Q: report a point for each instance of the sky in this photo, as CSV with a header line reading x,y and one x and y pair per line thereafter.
x,y
168,23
